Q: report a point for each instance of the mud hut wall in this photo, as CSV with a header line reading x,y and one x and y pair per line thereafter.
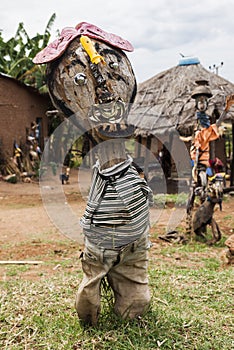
x,y
19,107
220,151
141,145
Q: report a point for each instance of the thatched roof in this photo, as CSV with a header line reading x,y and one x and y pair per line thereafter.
x,y
164,102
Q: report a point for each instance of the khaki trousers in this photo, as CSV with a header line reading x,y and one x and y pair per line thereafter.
x,y
126,272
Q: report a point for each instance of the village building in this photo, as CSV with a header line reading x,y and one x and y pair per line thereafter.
x,y
164,110
22,116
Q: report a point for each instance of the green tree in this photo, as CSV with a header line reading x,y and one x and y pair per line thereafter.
x,y
17,53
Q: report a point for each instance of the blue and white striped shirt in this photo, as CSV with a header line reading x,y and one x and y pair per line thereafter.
x,y
117,211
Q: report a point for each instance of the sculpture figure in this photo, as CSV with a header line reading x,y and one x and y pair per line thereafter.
x,y
90,76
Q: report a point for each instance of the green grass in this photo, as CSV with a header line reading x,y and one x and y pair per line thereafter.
x,y
191,308
179,199
15,270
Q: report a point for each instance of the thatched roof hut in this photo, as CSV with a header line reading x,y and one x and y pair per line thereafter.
x,y
164,107
164,101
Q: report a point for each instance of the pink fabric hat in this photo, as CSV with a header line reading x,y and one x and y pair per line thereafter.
x,y
58,46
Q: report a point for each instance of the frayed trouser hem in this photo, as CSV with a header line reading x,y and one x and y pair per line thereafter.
x,y
126,272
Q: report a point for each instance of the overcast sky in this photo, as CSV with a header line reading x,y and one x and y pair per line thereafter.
x,y
159,30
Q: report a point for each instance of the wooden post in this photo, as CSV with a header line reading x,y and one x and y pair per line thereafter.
x,y
232,160
138,148
212,143
147,156
212,150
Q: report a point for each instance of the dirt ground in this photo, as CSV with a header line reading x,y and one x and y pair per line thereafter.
x,y
27,233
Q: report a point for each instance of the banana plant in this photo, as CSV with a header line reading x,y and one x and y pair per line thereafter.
x,y
17,53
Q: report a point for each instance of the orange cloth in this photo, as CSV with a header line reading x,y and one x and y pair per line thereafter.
x,y
201,141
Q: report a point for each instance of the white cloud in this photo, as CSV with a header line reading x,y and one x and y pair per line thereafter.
x,y
159,30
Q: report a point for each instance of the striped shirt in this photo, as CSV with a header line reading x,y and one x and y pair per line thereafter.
x,y
117,211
